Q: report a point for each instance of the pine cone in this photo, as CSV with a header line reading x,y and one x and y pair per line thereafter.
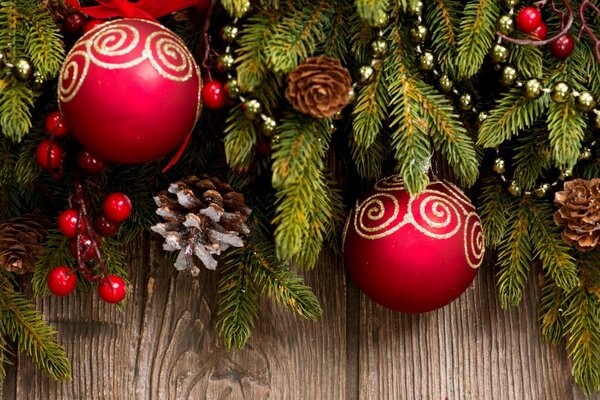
x,y
21,242
579,213
319,87
203,217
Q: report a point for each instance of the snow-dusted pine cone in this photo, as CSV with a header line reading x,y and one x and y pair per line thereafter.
x,y
203,217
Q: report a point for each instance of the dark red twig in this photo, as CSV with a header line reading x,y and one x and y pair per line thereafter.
x,y
586,28
529,42
205,47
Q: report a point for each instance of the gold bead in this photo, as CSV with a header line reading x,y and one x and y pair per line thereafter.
x,y
511,3
427,61
229,33
499,54
508,76
232,88
465,101
561,92
596,122
499,165
513,189
366,74
225,62
275,140
352,95
506,24
379,48
381,20
586,101
3,59
251,108
418,33
585,154
541,190
415,8
565,174
481,117
22,69
268,126
38,81
445,83
533,88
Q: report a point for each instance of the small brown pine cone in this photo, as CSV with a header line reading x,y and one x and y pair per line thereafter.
x,y
579,213
319,87
21,242
203,217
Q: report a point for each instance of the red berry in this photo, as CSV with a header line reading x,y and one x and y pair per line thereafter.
x,y
263,148
112,289
91,24
528,19
116,207
74,22
49,156
56,125
213,95
67,223
540,33
62,281
563,46
90,163
87,250
105,227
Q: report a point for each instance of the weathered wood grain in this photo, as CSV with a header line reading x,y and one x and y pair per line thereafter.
x,y
471,349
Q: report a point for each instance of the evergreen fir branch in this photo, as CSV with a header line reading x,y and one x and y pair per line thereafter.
x,y
551,312
16,99
297,35
361,35
449,136
443,18
566,126
493,210
23,324
4,352
512,113
235,8
369,114
336,43
241,137
280,283
56,252
514,254
372,11
550,247
337,217
533,156
583,322
25,170
477,30
7,162
527,60
238,300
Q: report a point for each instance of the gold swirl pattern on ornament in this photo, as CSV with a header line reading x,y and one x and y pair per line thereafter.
x,y
460,195
474,240
346,226
169,56
114,41
390,184
373,209
442,207
72,75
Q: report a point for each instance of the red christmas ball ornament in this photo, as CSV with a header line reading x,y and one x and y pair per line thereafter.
x,y
87,250
91,24
61,281
528,19
49,155
90,163
116,207
67,223
130,91
413,254
213,95
563,46
105,227
541,32
112,289
56,125
74,22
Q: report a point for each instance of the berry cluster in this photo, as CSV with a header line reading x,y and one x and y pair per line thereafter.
x,y
529,21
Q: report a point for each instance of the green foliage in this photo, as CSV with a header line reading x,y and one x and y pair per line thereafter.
x,y
533,155
241,138
372,11
477,30
551,312
23,324
566,127
528,60
493,210
442,19
56,252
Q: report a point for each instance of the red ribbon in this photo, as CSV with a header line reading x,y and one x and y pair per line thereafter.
x,y
144,9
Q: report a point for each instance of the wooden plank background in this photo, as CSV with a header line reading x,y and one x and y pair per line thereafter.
x,y
164,346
